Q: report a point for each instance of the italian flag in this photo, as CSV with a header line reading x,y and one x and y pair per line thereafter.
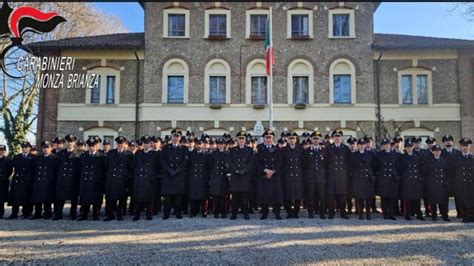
x,y
270,52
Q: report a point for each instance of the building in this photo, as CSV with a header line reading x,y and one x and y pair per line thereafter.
x,y
200,66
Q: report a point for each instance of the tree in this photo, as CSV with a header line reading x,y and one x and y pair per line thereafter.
x,y
19,97
466,9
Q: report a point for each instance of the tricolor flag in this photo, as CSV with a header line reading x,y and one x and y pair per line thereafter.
x,y
270,52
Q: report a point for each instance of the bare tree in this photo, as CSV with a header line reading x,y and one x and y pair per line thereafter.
x,y
19,97
466,9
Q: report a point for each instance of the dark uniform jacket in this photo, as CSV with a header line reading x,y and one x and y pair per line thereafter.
x,y
338,167
292,170
119,172
363,177
464,181
387,179
409,169
67,184
198,175
314,166
91,185
147,169
44,183
451,158
436,179
240,168
174,160
269,190
219,163
21,185
6,170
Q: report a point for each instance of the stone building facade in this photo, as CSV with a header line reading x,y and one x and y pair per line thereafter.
x,y
327,53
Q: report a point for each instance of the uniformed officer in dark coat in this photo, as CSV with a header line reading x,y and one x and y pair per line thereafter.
x,y
314,175
67,184
363,179
409,169
387,179
240,168
450,154
268,171
435,172
426,155
174,160
21,184
157,146
119,163
219,180
92,177
292,170
44,184
464,181
58,144
6,170
352,145
147,170
198,178
338,166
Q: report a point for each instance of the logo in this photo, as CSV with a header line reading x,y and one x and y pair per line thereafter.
x,y
14,23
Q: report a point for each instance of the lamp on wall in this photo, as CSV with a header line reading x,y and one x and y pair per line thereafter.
x,y
81,129
158,128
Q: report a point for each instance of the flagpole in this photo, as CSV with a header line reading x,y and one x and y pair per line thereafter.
x,y
270,82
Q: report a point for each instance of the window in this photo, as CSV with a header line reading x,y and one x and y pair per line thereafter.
x,y
300,23
342,82
300,82
95,94
300,90
176,23
415,86
175,89
259,90
217,23
107,88
110,90
341,23
256,23
256,83
175,81
217,82
342,89
217,90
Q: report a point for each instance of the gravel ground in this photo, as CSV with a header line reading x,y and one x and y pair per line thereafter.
x,y
223,241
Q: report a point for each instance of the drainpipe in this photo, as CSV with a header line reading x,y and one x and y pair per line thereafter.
x,y
137,95
378,135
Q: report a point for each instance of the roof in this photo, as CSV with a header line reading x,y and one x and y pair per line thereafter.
x,y
137,41
412,42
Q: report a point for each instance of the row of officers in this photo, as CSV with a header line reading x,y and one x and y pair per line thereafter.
x,y
198,175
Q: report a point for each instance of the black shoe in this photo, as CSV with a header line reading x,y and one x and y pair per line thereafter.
x,y
166,217
408,218
344,216
277,216
322,216
264,217
361,217
331,216
289,216
446,219
136,218
109,218
204,215
233,217
149,217
119,217
179,216
35,217
392,218
246,217
12,216
296,216
311,216
375,211
216,215
83,218
223,216
95,218
367,217
47,216
419,217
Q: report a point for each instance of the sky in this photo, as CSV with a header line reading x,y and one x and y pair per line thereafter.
x,y
425,19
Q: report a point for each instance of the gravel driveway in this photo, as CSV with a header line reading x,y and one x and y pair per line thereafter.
x,y
223,241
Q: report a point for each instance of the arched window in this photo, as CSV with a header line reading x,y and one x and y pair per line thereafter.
x,y
256,83
217,82
300,82
103,132
423,133
107,87
175,81
414,86
342,82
